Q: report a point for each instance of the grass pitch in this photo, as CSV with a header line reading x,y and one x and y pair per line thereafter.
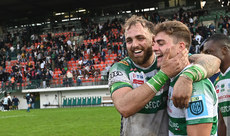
x,y
78,121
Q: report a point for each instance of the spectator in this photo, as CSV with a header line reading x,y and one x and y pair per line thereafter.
x,y
15,101
32,101
103,55
198,38
28,101
69,76
107,68
79,82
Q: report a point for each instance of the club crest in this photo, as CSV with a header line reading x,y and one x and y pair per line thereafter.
x,y
196,107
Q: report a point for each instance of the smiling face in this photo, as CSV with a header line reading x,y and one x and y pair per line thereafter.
x,y
139,41
162,42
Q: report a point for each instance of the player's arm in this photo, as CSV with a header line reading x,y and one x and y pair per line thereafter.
x,y
203,129
209,62
221,125
128,101
205,66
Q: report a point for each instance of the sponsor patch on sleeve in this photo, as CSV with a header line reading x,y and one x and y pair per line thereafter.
x,y
197,107
124,62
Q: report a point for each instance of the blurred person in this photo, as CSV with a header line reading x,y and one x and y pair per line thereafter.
x,y
135,80
104,38
69,76
1,104
219,46
9,101
79,81
198,38
32,100
15,101
28,101
5,103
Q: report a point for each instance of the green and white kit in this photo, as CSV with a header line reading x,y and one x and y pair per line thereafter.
x,y
202,108
152,120
222,85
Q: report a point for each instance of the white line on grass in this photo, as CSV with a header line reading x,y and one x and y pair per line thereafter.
x,y
15,116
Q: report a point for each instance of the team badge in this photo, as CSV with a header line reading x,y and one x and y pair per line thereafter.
x,y
196,107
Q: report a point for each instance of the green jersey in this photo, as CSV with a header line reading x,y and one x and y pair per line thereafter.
x,y
152,120
202,108
222,85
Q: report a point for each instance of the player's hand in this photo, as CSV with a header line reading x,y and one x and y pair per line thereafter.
x,y
172,66
182,92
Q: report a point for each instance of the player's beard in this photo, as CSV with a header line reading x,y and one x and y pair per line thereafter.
x,y
148,52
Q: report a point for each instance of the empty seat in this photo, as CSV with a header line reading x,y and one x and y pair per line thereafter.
x,y
74,102
99,100
79,101
83,101
94,100
89,101
64,102
69,101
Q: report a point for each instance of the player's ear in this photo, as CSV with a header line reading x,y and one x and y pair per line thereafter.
x,y
182,45
225,50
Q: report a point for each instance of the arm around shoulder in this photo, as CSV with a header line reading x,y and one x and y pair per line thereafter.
x,y
209,62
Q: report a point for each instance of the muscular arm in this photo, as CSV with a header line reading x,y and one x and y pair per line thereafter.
x,y
182,90
128,101
209,62
199,129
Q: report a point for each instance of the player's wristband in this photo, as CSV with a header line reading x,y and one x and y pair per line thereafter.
x,y
195,73
153,89
157,81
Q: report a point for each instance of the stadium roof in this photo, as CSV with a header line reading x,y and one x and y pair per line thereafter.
x,y
21,10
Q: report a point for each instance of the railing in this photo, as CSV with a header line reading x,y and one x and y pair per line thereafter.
x,y
53,83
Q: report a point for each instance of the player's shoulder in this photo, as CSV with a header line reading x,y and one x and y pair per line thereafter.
x,y
123,64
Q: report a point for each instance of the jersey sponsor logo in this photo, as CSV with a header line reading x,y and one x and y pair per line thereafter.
x,y
196,107
225,109
222,86
174,125
135,81
224,96
141,77
222,90
115,74
217,91
134,75
124,62
137,78
153,104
